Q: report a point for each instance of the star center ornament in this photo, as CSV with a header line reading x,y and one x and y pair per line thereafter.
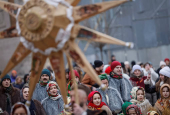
x,y
48,28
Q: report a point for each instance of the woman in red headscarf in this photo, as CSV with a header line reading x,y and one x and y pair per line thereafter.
x,y
95,102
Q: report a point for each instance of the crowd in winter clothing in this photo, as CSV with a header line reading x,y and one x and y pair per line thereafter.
x,y
136,89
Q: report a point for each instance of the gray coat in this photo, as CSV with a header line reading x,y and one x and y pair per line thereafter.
x,y
123,86
39,93
112,98
53,107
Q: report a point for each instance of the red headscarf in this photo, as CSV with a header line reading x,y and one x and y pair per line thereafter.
x,y
91,104
75,73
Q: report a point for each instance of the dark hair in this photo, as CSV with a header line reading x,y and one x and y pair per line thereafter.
x,y
166,80
82,87
25,78
18,106
146,64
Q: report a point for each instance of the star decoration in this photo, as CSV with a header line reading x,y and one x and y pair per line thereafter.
x,y
48,28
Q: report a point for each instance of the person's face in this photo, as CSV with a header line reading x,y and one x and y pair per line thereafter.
x,y
27,78
14,74
44,78
132,112
147,67
20,111
53,90
118,70
96,99
81,95
162,77
19,81
140,95
165,92
105,82
6,83
167,63
77,79
100,69
113,58
162,66
137,72
67,75
127,66
26,93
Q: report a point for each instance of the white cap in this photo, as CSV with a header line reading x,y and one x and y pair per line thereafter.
x,y
126,63
165,71
162,63
104,68
135,67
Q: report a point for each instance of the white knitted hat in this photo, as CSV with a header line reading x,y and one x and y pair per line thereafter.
x,y
104,68
165,71
162,63
135,67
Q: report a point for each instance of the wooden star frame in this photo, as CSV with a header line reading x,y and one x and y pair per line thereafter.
x,y
40,23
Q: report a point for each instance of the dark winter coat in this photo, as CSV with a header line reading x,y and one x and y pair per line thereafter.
x,y
35,108
14,97
19,86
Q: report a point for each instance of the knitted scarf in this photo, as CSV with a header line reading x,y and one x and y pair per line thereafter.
x,y
116,76
8,89
43,84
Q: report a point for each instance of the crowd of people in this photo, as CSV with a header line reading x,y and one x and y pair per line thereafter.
x,y
132,89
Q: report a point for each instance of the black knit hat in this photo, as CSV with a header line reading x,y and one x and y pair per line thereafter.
x,y
98,63
6,77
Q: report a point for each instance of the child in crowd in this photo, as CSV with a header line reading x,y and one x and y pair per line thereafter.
x,y
111,96
138,98
137,77
133,110
164,78
54,102
124,106
95,102
163,104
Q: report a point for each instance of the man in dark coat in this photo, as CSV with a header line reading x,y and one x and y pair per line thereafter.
x,y
9,95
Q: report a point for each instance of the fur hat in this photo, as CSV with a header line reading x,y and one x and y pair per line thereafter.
x,y
46,71
165,71
98,63
6,77
114,64
135,67
75,73
161,89
134,91
152,113
162,63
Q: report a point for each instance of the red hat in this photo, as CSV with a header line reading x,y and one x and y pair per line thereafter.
x,y
114,64
90,96
166,59
108,70
75,73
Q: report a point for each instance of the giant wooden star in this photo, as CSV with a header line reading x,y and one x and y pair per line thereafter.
x,y
40,22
